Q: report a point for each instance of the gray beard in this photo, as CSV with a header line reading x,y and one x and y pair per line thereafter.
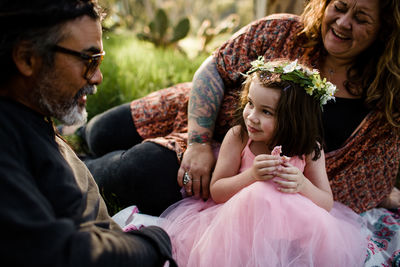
x,y
67,111
68,115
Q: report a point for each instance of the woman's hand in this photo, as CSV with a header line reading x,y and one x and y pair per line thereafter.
x,y
392,201
198,162
290,179
265,167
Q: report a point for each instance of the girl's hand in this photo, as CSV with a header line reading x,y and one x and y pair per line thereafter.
x,y
290,179
265,167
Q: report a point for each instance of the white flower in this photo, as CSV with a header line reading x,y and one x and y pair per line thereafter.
x,y
311,72
258,63
323,100
331,88
269,67
291,67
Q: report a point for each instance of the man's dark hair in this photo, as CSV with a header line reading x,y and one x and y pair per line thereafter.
x,y
38,22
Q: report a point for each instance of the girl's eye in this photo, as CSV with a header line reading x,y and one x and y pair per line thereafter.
x,y
266,112
249,103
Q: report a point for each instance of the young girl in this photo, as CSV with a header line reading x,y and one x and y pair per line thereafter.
x,y
268,209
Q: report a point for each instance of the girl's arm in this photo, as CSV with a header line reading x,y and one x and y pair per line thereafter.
x,y
313,184
226,180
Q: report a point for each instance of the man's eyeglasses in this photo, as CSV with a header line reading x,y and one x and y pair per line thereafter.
x,y
93,61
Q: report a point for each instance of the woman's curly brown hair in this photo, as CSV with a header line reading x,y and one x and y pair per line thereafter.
x,y
377,69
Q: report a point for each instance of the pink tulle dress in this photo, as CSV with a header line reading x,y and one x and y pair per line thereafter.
x,y
261,226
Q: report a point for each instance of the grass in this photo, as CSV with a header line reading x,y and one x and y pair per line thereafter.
x,y
133,68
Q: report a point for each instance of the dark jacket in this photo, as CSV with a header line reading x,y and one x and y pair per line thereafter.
x,y
51,213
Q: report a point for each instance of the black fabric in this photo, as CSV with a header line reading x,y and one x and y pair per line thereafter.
x,y
152,234
144,175
337,122
41,205
110,131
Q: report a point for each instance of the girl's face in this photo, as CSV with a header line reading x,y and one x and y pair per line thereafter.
x,y
259,112
350,26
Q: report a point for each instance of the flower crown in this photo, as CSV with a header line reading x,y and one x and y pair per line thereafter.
x,y
310,80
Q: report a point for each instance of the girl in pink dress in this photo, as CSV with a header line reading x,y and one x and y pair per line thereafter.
x,y
268,209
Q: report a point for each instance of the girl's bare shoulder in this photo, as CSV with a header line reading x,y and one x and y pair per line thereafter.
x,y
235,134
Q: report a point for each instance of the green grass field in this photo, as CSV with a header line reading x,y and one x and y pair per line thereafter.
x,y
133,68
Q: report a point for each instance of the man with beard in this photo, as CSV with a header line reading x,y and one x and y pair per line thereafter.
x,y
51,212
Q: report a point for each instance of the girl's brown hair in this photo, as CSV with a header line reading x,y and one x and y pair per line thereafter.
x,y
298,116
377,69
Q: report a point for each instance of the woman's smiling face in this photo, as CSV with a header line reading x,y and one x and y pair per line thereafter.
x,y
350,26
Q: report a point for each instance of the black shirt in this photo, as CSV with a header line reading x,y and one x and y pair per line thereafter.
x,y
340,119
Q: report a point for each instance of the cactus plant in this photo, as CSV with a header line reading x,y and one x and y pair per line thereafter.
x,y
207,33
161,34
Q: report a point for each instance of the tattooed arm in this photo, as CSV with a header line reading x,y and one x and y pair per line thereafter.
x,y
204,103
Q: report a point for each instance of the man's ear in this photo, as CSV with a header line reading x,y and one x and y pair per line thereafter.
x,y
25,58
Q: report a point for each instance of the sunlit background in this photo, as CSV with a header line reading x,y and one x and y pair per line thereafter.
x,y
153,44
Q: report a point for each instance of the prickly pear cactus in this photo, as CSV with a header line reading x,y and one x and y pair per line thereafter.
x,y
161,34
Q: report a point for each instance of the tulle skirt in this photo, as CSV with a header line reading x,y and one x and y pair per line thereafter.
x,y
261,226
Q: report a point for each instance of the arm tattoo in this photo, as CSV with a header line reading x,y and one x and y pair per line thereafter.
x,y
205,99
201,138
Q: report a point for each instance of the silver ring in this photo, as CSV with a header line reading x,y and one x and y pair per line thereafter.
x,y
186,178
